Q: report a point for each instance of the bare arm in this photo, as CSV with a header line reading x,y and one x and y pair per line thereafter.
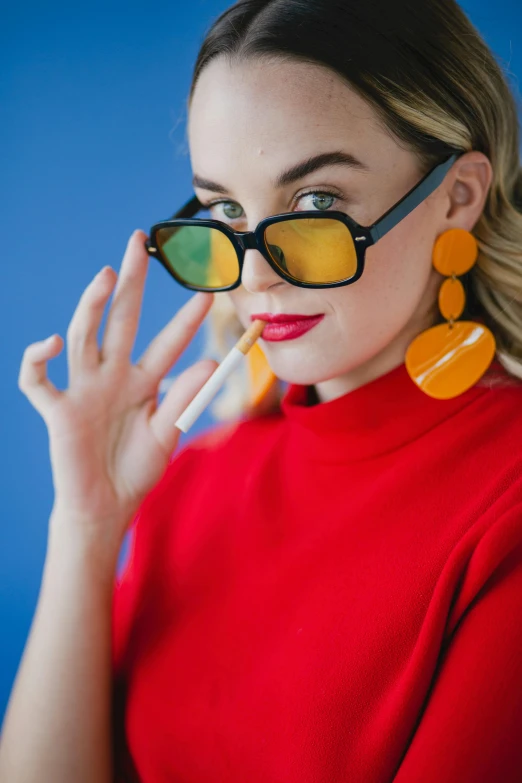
x,y
57,727
110,443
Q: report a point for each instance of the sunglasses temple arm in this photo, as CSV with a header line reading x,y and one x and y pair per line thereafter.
x,y
188,210
411,200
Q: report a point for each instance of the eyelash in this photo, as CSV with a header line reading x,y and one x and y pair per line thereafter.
x,y
302,195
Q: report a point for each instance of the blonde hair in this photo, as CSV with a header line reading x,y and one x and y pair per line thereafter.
x,y
435,99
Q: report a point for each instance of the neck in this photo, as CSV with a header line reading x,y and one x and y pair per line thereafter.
x,y
358,376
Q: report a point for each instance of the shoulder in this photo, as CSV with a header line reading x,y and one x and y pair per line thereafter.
x,y
225,446
494,418
485,447
492,449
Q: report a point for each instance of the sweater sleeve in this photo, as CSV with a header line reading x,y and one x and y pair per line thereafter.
x,y
146,534
471,726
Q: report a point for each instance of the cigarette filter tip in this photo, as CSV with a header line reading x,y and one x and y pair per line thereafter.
x,y
245,343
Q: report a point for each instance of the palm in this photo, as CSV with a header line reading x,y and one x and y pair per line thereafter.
x,y
107,449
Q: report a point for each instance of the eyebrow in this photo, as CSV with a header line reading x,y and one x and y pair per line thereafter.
x,y
300,170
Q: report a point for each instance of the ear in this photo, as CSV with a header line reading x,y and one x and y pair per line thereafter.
x,y
468,185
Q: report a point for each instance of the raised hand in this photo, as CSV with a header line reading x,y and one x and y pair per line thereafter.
x,y
109,440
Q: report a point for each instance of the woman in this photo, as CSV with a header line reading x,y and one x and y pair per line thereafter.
x,y
328,586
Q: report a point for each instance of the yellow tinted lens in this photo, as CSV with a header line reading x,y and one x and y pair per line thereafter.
x,y
313,250
199,255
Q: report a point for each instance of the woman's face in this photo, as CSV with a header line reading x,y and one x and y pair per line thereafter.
x,y
249,123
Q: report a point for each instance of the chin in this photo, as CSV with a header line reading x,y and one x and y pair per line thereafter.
x,y
301,375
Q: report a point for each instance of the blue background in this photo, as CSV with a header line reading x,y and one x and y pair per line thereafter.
x,y
93,142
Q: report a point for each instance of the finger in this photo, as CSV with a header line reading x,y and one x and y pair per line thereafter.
x,y
83,354
124,314
32,380
181,393
170,343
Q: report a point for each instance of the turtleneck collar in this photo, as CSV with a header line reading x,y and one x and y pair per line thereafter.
x,y
376,418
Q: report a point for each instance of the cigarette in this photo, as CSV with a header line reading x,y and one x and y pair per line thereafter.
x,y
207,393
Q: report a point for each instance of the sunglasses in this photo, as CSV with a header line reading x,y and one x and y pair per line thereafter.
x,y
305,248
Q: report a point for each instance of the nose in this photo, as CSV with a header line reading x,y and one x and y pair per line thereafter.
x,y
257,274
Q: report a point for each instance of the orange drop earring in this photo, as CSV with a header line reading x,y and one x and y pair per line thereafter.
x,y
261,378
447,360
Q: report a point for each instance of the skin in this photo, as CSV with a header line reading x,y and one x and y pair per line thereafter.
x,y
250,121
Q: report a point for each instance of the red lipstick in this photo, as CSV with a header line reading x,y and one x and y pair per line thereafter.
x,y
286,326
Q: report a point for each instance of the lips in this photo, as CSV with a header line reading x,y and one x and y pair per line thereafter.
x,y
287,326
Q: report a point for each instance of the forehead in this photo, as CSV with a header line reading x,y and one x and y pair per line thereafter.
x,y
278,109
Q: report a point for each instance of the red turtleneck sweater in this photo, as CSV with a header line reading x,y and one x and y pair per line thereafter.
x,y
330,594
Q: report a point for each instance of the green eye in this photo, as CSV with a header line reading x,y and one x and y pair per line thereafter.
x,y
320,198
228,210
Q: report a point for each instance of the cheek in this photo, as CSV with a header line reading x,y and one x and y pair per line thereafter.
x,y
397,270
389,294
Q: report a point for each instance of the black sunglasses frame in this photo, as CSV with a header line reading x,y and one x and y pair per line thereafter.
x,y
363,236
